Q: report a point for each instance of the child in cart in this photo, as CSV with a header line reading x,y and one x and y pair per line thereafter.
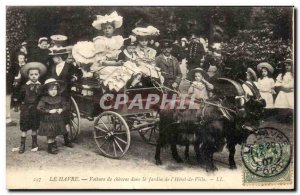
x,y
29,95
52,106
129,53
107,47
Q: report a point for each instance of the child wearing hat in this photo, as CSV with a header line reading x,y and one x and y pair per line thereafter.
x,y
169,66
144,52
29,95
40,53
109,45
251,81
285,82
199,86
129,53
52,106
266,84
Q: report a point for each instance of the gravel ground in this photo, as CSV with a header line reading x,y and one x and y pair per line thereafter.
x,y
139,159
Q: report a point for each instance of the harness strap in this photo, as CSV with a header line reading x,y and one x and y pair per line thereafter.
x,y
254,89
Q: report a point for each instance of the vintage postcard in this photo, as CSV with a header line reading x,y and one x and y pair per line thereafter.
x,y
160,97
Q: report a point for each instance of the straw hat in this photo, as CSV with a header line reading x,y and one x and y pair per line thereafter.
x,y
59,38
265,65
148,31
191,74
252,72
84,52
59,51
33,65
112,18
61,84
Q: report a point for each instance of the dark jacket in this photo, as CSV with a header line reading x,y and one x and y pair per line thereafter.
x,y
67,74
170,70
194,55
39,55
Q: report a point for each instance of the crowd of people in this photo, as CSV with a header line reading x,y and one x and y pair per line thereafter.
x,y
39,80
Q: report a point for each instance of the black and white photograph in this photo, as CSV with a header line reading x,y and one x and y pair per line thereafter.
x,y
150,97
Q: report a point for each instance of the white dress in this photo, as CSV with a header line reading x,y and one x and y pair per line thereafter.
x,y
148,54
285,99
107,49
265,85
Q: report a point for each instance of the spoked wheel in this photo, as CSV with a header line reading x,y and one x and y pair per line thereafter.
x,y
150,133
111,134
75,120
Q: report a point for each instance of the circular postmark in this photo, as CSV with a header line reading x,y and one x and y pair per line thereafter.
x,y
267,152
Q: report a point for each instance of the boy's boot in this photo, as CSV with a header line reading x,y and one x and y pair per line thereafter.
x,y
34,143
68,143
22,146
51,149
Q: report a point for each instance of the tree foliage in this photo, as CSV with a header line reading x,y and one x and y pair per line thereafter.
x,y
15,27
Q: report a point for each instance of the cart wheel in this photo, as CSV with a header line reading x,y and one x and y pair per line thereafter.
x,y
111,134
150,133
75,120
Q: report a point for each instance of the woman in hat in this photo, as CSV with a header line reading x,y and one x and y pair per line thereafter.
x,y
145,53
199,86
52,106
29,95
252,81
61,70
285,82
265,83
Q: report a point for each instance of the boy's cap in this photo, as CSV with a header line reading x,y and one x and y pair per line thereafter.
x,y
166,43
128,42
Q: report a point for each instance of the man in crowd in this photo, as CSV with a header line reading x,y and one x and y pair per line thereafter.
x,y
195,53
169,66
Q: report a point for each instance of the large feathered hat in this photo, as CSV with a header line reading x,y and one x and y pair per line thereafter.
x,y
84,52
112,18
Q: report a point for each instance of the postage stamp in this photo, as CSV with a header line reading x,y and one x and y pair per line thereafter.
x,y
267,155
150,97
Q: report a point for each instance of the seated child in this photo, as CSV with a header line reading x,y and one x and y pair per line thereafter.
x,y
129,53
